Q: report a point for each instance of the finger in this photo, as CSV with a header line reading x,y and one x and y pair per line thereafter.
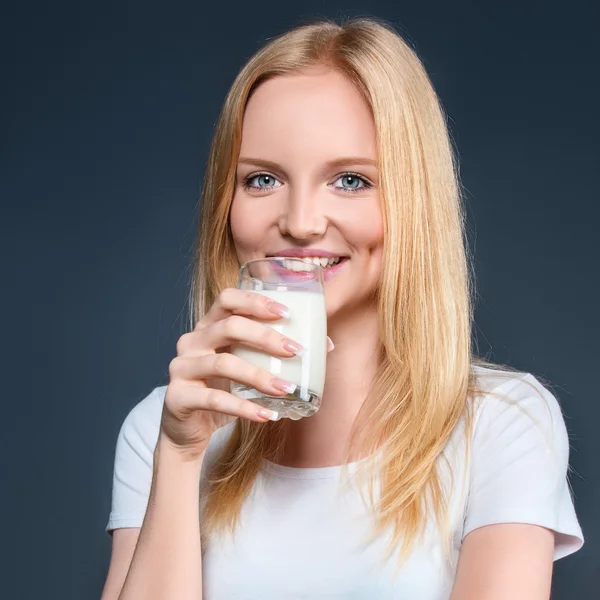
x,y
228,366
232,301
330,344
187,397
237,329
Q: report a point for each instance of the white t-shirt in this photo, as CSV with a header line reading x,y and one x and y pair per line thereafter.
x,y
302,535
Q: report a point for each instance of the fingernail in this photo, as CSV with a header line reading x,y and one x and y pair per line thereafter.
x,y
279,309
268,414
330,344
294,347
283,386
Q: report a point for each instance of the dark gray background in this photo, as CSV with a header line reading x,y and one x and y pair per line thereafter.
x,y
107,112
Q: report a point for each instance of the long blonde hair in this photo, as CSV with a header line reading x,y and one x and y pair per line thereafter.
x,y
426,292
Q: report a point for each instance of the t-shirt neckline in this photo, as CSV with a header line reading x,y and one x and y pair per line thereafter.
x,y
308,472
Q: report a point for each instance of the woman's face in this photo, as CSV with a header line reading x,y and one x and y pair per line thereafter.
x,y
306,180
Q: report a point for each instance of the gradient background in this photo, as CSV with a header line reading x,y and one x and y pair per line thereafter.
x,y
107,113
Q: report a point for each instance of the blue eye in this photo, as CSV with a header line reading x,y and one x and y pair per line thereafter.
x,y
259,176
354,179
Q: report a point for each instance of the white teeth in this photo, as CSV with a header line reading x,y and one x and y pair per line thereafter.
x,y
295,265
331,261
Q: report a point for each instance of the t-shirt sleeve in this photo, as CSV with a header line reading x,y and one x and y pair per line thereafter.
x,y
519,465
134,460
134,456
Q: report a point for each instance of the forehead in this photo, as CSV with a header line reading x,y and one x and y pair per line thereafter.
x,y
317,112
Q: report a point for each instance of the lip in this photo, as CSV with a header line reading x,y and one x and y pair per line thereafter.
x,y
306,252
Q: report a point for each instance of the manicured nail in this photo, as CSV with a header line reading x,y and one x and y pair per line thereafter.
x,y
283,386
330,344
268,414
294,347
279,309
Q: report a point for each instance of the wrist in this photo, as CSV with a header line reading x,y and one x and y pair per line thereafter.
x,y
166,452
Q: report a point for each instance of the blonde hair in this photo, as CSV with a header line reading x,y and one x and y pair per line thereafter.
x,y
426,292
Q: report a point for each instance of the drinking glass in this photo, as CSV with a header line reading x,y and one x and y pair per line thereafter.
x,y
297,284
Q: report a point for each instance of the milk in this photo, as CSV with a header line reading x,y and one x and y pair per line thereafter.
x,y
307,325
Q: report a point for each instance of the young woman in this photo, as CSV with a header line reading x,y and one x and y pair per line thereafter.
x,y
428,473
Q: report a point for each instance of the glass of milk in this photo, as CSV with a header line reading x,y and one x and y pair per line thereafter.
x,y
297,284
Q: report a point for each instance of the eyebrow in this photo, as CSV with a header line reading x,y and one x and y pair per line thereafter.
x,y
338,162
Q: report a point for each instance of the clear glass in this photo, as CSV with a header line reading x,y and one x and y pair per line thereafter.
x,y
298,285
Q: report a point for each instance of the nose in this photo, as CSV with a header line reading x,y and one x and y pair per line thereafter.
x,y
302,216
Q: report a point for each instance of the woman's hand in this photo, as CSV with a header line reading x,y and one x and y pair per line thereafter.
x,y
197,400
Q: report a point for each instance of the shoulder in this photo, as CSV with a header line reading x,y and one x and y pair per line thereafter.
x,y
516,407
520,460
141,425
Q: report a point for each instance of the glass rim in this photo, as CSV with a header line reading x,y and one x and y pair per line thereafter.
x,y
273,258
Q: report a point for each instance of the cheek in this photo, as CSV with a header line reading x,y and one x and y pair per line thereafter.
x,y
248,225
365,229
375,233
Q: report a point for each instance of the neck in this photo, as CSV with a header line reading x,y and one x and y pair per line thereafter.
x,y
321,440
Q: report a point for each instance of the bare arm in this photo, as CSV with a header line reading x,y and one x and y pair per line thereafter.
x,y
167,562
123,546
508,561
164,562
